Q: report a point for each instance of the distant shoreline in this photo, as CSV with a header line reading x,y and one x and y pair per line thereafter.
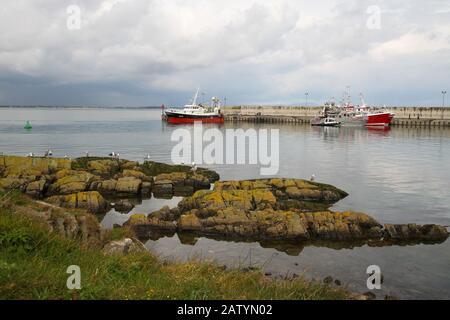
x,y
237,107
75,107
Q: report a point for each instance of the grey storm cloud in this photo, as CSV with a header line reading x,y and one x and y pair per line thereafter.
x,y
140,52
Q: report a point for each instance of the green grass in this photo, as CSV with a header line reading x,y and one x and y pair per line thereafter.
x,y
33,265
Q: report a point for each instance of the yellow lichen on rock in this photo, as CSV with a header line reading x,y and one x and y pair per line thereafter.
x,y
133,173
261,195
102,167
90,200
189,222
37,166
137,218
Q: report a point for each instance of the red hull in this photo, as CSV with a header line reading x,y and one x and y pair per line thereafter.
x,y
379,119
175,120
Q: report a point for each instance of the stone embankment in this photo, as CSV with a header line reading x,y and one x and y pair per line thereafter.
x,y
84,183
277,209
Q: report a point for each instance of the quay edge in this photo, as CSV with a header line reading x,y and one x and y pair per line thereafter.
x,y
404,116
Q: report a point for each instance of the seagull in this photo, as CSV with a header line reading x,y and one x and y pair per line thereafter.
x,y
194,167
87,154
313,177
48,153
112,154
66,156
147,157
31,154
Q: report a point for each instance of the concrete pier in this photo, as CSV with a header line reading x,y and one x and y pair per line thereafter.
x,y
404,116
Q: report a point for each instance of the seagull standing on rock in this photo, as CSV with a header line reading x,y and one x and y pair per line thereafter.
x,y
114,155
194,167
31,154
313,178
48,153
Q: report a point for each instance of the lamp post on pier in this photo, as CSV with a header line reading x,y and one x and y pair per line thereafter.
x,y
444,92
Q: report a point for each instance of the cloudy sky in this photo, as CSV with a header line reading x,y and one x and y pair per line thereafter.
x,y
149,52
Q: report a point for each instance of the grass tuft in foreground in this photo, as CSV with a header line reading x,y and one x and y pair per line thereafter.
x,y
33,265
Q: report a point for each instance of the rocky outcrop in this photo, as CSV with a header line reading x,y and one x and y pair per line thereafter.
x,y
74,182
15,166
36,188
49,177
91,201
123,206
277,209
128,185
277,194
401,232
72,225
124,247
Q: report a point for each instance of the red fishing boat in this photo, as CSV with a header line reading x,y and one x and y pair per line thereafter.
x,y
196,113
350,115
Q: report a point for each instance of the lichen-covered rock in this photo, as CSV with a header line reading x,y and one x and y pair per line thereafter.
x,y
146,189
36,166
288,192
135,174
68,184
65,172
107,186
91,201
137,218
9,183
277,209
280,209
106,175
282,225
71,224
104,167
189,222
129,185
162,188
36,188
175,178
123,206
141,224
124,247
412,231
154,169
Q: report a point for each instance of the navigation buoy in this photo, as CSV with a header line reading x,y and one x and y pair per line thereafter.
x,y
28,126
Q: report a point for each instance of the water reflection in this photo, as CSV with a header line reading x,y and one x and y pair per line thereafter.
x,y
142,206
291,248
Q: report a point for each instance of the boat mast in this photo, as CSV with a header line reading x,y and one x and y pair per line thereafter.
x,y
363,103
194,100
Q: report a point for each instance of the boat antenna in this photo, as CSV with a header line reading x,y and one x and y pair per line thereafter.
x,y
194,100
363,103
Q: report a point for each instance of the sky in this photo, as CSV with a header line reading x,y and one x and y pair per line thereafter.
x,y
153,52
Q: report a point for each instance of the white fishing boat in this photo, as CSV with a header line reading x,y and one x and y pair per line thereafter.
x,y
325,122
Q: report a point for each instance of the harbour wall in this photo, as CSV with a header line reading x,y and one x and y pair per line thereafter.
x,y
404,116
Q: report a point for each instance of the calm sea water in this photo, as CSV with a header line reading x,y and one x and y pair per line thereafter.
x,y
398,176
